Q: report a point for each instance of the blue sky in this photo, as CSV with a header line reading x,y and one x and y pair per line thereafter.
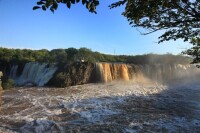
x,y
107,31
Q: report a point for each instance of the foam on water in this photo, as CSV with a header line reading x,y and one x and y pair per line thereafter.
x,y
128,106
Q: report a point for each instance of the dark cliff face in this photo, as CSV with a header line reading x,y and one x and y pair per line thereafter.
x,y
73,74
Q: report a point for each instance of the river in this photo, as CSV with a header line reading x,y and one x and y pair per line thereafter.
x,y
127,107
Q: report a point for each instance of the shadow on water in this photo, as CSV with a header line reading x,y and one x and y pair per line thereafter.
x,y
175,109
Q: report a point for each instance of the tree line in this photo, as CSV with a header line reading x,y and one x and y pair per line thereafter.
x,y
69,55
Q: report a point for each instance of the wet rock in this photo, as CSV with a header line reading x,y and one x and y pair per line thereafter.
x,y
73,74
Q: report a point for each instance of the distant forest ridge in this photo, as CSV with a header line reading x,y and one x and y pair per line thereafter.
x,y
63,56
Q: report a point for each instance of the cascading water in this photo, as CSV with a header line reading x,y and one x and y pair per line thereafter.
x,y
13,72
36,74
106,72
170,72
40,73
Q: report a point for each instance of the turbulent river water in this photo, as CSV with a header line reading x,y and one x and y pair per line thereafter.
x,y
127,107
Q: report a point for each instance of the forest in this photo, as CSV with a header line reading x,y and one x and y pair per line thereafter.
x,y
70,55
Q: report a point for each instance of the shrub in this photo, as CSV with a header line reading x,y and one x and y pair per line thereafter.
x,y
8,84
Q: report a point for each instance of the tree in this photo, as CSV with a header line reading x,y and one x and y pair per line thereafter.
x,y
180,19
194,51
71,52
86,54
58,55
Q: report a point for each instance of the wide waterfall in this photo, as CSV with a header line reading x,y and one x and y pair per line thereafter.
x,y
163,73
39,74
34,73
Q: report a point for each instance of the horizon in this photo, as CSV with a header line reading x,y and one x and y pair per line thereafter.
x,y
106,32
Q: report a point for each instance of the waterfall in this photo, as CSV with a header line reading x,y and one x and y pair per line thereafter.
x,y
108,72
36,73
163,73
13,72
170,72
39,74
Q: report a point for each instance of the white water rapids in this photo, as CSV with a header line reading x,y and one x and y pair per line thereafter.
x,y
112,107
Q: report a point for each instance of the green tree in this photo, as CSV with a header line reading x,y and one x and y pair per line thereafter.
x,y
42,55
8,84
6,54
86,54
179,18
71,52
194,51
58,55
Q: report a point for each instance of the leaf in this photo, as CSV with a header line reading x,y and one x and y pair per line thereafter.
x,y
55,6
36,7
44,8
52,10
49,2
73,1
68,4
96,3
40,3
65,1
88,5
83,2
91,9
59,1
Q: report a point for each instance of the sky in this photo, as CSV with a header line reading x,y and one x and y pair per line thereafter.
x,y
107,31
